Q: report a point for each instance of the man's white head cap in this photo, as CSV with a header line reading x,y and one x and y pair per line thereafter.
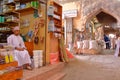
x,y
16,28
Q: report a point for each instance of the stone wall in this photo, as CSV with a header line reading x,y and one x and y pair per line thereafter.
x,y
90,8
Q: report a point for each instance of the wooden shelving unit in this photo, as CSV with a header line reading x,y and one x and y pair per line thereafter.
x,y
57,24
16,12
58,12
10,12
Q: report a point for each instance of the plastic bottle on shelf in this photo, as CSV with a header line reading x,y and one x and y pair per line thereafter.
x,y
11,58
6,59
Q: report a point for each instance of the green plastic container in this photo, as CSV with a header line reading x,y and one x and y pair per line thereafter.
x,y
36,3
32,3
0,19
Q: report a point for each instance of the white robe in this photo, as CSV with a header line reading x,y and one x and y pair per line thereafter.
x,y
21,56
117,48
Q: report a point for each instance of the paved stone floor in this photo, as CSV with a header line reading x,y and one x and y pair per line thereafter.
x,y
94,67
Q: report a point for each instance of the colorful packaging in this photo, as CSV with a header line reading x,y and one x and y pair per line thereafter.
x,y
11,58
7,59
32,3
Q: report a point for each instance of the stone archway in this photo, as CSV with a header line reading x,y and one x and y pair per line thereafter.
x,y
98,21
89,16
86,18
91,9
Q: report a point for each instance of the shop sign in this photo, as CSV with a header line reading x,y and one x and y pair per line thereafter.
x,y
70,13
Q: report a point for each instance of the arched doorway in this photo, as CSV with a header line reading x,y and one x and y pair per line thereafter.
x,y
99,24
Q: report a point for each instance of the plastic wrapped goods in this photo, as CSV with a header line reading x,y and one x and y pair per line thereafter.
x,y
38,58
85,44
54,58
93,44
79,44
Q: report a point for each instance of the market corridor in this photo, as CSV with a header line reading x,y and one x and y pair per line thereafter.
x,y
93,67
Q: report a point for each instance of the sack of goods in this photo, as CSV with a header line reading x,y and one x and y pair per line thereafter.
x,y
93,44
85,44
37,58
79,44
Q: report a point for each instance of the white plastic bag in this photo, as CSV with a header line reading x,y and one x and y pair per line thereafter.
x,y
85,44
93,44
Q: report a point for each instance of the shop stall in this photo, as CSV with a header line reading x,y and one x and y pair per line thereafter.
x,y
30,15
91,40
55,33
40,23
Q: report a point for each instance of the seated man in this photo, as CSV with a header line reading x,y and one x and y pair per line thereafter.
x,y
20,53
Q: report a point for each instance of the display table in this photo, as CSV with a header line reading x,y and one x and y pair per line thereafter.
x,y
11,75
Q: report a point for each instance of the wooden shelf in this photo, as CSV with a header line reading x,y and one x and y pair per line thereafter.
x,y
25,9
11,3
57,19
23,1
2,23
57,13
5,30
59,32
56,4
12,22
9,23
9,13
58,26
43,2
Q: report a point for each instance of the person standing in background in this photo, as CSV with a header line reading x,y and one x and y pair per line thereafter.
x,y
117,51
107,41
